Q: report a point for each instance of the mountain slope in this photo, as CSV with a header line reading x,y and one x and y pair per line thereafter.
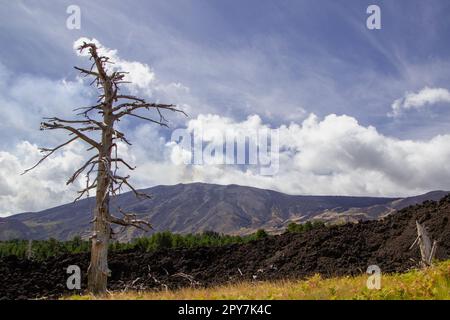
x,y
196,207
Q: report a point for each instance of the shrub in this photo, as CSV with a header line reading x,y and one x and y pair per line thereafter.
x,y
261,233
299,228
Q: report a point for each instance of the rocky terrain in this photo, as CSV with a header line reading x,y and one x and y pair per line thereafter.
x,y
197,207
331,251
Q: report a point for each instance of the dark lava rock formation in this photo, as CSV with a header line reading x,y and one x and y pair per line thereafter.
x,y
330,251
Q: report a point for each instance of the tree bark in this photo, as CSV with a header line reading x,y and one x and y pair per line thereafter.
x,y
98,271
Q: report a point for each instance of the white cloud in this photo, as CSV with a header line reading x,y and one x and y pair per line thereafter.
x,y
41,188
426,96
335,155
26,99
140,75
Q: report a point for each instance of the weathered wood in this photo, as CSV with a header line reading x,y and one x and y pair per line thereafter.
x,y
427,248
30,249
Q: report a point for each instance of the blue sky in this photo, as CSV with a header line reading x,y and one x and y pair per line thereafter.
x,y
280,60
227,52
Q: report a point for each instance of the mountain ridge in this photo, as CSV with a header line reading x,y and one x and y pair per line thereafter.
x,y
197,207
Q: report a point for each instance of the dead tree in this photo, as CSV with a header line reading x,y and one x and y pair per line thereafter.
x,y
97,129
427,250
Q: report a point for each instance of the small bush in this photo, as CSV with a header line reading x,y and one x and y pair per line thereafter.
x,y
261,233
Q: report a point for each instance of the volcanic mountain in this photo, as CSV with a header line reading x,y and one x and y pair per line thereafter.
x,y
198,207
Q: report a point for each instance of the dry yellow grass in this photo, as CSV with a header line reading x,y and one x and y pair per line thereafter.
x,y
430,283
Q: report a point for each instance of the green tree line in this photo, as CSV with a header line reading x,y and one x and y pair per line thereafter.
x,y
43,249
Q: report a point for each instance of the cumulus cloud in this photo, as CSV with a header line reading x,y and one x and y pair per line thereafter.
x,y
43,187
25,99
142,78
426,96
335,155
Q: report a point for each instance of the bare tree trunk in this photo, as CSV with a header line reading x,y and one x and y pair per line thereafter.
x,y
427,250
98,271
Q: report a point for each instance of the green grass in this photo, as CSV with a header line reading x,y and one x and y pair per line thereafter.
x,y
430,283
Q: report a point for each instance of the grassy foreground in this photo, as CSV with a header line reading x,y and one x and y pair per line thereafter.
x,y
430,283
